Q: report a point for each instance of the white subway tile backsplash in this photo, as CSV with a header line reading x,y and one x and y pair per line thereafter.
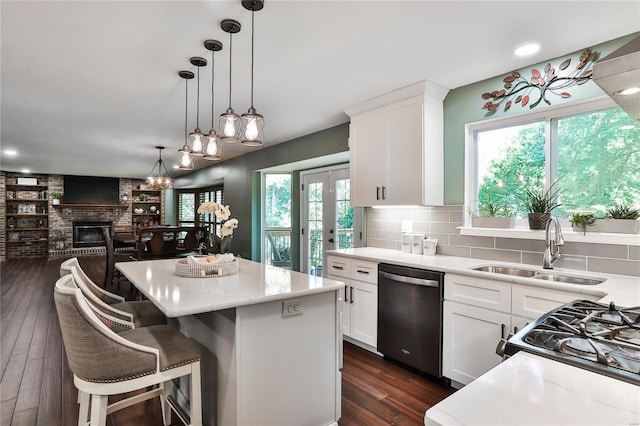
x,y
498,255
384,228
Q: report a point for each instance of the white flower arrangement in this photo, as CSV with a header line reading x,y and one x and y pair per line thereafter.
x,y
222,243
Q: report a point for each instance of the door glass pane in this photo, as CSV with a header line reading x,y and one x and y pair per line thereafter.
x,y
315,203
344,215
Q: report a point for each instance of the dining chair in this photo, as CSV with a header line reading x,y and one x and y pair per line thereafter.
x,y
141,313
112,275
106,363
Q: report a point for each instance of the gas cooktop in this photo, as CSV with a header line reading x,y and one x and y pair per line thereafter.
x,y
601,338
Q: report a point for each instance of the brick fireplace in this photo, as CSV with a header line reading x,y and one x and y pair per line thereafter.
x,y
62,219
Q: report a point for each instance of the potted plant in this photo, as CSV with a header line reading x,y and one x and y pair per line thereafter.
x,y
56,197
580,221
539,203
491,214
143,197
620,219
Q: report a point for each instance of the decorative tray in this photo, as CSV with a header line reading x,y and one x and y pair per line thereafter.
x,y
184,268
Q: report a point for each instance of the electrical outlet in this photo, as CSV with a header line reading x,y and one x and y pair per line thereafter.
x,y
292,307
407,226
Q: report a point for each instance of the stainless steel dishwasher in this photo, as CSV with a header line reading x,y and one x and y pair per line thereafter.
x,y
410,316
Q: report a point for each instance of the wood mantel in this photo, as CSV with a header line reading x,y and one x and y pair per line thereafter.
x,y
90,206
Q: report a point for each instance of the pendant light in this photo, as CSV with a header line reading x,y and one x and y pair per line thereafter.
x,y
230,121
162,180
196,138
185,162
252,122
213,147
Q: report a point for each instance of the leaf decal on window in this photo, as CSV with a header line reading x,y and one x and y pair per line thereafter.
x,y
525,100
565,64
565,95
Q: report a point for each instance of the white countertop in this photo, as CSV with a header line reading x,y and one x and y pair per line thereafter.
x,y
624,290
528,389
254,283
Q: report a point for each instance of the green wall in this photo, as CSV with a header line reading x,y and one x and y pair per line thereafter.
x,y
241,184
464,105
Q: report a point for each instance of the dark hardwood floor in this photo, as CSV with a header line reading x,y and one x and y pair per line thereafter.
x,y
36,386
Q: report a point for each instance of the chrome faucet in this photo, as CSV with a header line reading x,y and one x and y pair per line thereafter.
x,y
552,246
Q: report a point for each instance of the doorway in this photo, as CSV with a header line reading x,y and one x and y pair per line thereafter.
x,y
328,221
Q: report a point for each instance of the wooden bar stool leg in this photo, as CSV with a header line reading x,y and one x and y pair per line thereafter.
x,y
195,395
84,400
98,410
164,395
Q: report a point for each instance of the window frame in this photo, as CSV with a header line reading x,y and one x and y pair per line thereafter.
x,y
200,196
548,115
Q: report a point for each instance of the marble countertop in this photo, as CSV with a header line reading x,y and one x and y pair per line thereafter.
x,y
254,283
624,290
530,390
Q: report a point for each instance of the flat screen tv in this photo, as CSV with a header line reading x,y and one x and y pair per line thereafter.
x,y
91,190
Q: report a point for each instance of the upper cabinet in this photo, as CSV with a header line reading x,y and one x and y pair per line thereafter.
x,y
396,148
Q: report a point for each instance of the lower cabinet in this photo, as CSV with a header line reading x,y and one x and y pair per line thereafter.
x,y
363,316
360,297
470,336
478,312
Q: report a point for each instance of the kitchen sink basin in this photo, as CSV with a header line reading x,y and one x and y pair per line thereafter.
x,y
568,279
530,273
507,270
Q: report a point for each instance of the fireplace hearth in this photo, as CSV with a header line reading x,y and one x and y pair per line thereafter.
x,y
89,234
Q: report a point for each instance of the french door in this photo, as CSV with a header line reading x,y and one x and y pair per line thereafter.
x,y
328,221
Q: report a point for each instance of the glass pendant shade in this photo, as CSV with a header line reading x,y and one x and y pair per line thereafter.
x,y
213,149
252,128
185,162
230,127
196,143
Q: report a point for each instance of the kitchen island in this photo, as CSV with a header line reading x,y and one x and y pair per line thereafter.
x,y
271,334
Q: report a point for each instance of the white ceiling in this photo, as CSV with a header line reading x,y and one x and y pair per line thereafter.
x,y
89,88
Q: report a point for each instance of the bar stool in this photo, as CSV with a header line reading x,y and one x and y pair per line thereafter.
x,y
105,363
141,313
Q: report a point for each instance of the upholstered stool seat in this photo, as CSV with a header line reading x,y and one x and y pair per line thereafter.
x,y
106,363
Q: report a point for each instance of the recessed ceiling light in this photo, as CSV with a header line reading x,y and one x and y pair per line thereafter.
x,y
175,166
628,92
527,49
26,171
11,152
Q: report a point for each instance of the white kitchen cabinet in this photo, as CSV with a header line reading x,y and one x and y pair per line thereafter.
x,y
470,337
360,297
396,148
479,312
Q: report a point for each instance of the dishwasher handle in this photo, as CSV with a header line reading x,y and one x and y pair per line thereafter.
x,y
410,280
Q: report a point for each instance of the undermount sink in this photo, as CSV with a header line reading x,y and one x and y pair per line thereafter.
x,y
530,273
507,270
